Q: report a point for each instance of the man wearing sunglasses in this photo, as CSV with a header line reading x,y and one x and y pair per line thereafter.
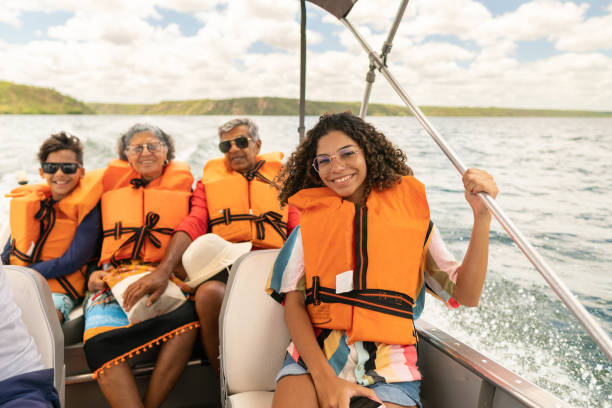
x,y
55,226
236,199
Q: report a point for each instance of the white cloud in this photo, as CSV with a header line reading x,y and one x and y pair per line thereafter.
x,y
123,29
591,35
532,21
10,16
110,51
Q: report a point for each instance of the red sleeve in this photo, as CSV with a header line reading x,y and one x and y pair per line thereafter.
x,y
293,219
196,223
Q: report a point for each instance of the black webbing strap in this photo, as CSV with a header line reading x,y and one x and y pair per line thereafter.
x,y
139,182
379,300
46,217
254,173
361,247
138,237
429,229
22,256
272,218
70,290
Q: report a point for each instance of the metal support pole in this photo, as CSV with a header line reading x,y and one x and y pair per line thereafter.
x,y
386,48
301,127
370,77
398,19
588,322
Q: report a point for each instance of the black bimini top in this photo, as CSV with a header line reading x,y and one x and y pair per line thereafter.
x,y
339,8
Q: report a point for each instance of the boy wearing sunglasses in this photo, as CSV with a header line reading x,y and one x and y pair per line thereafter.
x,y
55,226
236,199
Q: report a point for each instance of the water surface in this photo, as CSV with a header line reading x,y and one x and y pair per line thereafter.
x,y
555,177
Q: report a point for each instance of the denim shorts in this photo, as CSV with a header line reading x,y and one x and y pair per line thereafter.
x,y
401,393
64,304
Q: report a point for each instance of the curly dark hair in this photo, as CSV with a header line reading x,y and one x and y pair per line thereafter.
x,y
61,141
385,162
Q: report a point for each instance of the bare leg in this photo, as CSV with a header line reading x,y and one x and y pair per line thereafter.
x,y
296,391
60,316
208,299
119,387
171,362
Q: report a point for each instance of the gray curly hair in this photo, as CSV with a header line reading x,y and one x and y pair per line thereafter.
x,y
229,125
124,140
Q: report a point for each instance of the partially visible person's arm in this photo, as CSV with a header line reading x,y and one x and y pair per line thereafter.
x,y
472,271
155,283
196,223
191,227
6,252
83,248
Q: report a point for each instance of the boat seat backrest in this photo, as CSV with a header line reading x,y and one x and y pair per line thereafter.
x,y
253,331
33,297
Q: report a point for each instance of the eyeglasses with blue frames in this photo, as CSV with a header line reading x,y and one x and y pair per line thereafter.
x,y
67,168
241,142
347,155
139,148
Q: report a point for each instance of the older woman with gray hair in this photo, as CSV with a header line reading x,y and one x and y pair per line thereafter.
x,y
236,199
146,194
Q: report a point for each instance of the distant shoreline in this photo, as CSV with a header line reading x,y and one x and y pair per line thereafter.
x,y
24,99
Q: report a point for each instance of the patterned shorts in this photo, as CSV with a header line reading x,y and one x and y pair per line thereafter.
x,y
402,393
64,304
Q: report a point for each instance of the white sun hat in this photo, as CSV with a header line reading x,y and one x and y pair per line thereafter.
x,y
208,255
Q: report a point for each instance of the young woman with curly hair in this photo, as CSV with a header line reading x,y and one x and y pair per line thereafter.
x,y
352,275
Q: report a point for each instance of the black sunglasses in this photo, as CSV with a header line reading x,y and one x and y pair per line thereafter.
x,y
67,168
241,142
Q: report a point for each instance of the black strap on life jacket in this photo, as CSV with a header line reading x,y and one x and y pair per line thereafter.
x,y
68,288
429,230
361,247
378,300
22,256
46,217
139,182
272,218
254,173
138,237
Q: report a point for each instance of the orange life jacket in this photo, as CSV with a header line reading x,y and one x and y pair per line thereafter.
x,y
246,207
382,244
42,229
138,217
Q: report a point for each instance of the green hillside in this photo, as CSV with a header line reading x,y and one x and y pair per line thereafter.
x,y
23,99
286,106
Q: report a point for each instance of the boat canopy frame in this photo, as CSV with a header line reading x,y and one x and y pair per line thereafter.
x,y
340,9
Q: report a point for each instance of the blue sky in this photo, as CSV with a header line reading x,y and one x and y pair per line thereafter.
x,y
515,53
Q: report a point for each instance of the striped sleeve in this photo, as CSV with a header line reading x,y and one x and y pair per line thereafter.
x,y
288,272
440,269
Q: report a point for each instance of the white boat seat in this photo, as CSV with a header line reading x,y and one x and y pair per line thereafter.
x,y
250,399
253,334
33,296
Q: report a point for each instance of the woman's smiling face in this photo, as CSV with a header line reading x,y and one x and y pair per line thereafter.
x,y
343,166
150,164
